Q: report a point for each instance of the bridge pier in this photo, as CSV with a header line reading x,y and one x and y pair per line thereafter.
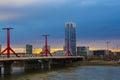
x,y
78,59
46,64
32,65
7,67
42,66
37,65
49,64
0,70
58,63
66,62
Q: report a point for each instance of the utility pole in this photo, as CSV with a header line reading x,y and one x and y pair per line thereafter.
x,y
8,49
46,51
107,46
117,48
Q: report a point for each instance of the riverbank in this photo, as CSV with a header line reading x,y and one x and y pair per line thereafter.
x,y
97,63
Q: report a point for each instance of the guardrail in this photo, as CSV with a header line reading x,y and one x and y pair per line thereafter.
x,y
33,57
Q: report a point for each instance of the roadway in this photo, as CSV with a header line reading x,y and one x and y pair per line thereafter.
x,y
13,58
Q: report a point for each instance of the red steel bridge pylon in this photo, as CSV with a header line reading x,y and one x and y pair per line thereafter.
x,y
46,51
8,49
68,52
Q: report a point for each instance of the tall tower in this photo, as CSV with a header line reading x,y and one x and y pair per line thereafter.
x,y
70,35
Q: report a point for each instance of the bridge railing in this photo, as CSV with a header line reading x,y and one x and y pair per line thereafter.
x,y
28,55
21,55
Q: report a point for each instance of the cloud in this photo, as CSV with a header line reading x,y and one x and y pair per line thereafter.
x,y
20,3
92,23
14,9
101,2
10,16
16,2
89,2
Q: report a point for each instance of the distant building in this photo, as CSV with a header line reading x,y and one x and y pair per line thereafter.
x,y
70,35
82,51
64,48
101,52
59,53
90,53
29,49
116,53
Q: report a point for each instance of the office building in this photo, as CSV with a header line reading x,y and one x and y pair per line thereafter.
x,y
29,49
83,51
59,53
70,36
101,52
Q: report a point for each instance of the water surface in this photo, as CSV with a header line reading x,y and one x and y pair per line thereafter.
x,y
72,73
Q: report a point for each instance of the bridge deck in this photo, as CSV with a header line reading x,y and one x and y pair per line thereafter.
x,y
38,58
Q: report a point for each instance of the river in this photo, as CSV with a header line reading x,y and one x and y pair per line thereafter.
x,y
71,73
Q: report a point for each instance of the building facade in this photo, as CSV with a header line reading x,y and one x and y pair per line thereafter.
x,y
83,51
101,52
59,53
29,49
70,36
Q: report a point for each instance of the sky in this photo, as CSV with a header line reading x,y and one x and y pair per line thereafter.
x,y
96,21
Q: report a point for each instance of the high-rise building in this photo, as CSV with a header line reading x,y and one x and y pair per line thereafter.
x,y
70,35
29,49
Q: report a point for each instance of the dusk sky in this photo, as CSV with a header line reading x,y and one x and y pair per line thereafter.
x,y
96,21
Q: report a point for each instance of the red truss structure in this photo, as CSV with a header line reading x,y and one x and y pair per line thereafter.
x,y
8,49
68,52
46,51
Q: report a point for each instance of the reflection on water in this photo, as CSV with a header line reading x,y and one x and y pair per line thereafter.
x,y
73,73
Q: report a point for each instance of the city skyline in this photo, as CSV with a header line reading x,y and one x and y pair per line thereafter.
x,y
96,22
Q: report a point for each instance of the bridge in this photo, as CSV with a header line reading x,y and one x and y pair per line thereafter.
x,y
36,62
32,57
32,61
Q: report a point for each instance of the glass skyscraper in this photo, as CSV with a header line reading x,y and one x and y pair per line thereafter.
x,y
70,35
